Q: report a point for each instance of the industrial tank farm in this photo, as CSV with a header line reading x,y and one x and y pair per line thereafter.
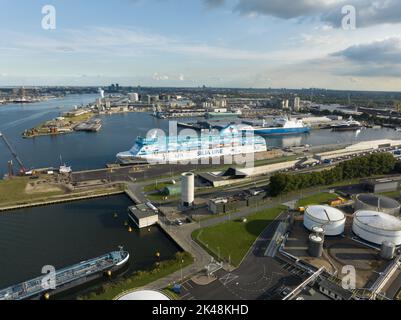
x,y
330,219
377,227
373,202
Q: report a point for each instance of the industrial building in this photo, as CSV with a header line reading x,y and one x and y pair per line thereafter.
x,y
373,202
377,227
388,184
359,149
248,198
332,220
233,175
143,215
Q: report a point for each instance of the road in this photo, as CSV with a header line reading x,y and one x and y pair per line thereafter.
x,y
255,278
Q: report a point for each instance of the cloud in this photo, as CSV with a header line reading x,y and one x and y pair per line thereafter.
x,y
368,12
381,52
128,42
160,77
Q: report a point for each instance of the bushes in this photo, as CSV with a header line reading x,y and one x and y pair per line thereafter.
x,y
374,164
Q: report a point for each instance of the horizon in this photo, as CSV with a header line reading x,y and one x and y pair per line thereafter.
x,y
235,44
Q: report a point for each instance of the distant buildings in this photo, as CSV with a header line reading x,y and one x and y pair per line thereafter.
x,y
133,97
297,103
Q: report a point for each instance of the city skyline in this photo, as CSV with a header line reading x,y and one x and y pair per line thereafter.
x,y
232,43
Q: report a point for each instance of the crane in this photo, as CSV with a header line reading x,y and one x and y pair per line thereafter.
x,y
14,154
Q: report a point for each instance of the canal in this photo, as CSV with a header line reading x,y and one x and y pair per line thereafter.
x,y
64,234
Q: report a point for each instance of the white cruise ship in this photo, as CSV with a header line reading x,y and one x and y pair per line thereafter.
x,y
157,149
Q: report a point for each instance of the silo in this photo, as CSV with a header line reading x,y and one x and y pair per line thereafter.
x,y
373,202
330,219
187,189
377,227
316,245
388,250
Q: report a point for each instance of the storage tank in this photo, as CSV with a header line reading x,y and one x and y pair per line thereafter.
x,y
377,227
316,245
388,250
373,202
188,189
332,220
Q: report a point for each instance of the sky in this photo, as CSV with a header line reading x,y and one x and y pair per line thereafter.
x,y
219,43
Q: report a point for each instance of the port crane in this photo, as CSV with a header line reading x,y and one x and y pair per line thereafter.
x,y
14,153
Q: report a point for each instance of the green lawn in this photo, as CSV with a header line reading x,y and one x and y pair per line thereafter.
x,y
156,186
13,192
111,290
231,240
319,198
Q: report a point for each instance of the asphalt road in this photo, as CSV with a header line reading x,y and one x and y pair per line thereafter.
x,y
256,278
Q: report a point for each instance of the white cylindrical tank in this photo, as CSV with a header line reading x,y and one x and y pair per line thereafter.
x,y
315,245
377,227
373,202
388,250
330,219
187,189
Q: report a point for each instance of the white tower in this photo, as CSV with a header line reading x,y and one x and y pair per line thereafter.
x,y
187,189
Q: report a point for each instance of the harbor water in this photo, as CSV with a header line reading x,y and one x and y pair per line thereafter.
x,y
94,150
65,234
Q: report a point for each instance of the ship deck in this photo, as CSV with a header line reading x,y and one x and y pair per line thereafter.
x,y
37,286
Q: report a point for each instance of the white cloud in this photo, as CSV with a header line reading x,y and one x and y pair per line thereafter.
x,y
160,77
369,12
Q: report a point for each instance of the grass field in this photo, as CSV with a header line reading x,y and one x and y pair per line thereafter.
x,y
13,192
111,290
156,186
232,240
319,198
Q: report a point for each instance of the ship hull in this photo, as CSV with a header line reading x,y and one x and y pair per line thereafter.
x,y
271,131
354,128
67,278
193,155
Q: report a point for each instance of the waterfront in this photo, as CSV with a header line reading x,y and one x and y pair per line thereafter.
x,y
61,235
85,151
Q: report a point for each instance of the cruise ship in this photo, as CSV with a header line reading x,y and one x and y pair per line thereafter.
x,y
228,142
279,126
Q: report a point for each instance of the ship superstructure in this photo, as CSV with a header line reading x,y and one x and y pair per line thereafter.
x,y
228,142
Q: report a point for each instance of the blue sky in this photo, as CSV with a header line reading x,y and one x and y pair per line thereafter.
x,y
224,43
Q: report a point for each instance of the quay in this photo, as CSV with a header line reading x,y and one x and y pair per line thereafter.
x,y
58,201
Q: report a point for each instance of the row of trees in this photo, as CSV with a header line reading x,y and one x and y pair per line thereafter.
x,y
361,167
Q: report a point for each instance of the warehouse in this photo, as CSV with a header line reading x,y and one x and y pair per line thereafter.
x,y
236,175
377,227
330,219
389,184
359,149
373,202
